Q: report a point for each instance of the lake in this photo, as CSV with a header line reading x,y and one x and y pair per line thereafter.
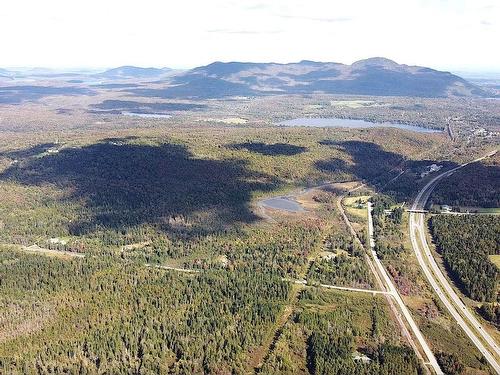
x,y
334,122
147,115
283,203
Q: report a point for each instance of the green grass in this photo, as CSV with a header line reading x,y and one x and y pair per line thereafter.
x,y
353,208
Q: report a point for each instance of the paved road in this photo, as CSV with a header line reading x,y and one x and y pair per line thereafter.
x,y
394,292
471,326
388,295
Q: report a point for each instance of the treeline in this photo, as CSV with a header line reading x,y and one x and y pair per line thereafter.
x,y
465,242
108,317
450,363
491,312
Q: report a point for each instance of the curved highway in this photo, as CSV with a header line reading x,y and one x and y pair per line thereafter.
x,y
464,318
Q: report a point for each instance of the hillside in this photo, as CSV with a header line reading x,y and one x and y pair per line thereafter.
x,y
374,76
126,72
5,74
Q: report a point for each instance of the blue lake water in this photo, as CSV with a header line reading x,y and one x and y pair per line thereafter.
x,y
334,122
147,115
283,203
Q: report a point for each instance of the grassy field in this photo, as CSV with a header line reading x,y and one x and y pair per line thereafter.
x,y
356,206
495,259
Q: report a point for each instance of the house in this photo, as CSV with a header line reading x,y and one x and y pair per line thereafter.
x,y
431,169
445,209
358,357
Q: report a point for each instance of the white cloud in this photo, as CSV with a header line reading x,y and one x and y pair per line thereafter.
x,y
444,34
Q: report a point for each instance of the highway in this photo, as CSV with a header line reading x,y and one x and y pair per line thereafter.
x,y
394,292
464,318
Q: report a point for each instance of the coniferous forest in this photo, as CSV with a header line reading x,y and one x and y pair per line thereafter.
x,y
465,242
145,253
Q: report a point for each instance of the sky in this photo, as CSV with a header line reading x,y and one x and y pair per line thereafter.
x,y
444,34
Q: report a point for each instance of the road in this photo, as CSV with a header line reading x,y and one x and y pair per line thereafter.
x,y
394,292
471,326
41,250
178,269
388,296
338,287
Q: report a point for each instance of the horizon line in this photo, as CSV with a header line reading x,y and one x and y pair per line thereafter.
x,y
75,68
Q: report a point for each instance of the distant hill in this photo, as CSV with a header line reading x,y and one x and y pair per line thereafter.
x,y
129,72
4,73
374,76
39,73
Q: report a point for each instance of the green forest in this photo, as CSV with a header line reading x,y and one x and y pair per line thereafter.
x,y
131,203
345,267
465,241
462,187
126,319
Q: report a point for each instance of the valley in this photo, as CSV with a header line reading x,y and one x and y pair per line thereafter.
x,y
151,224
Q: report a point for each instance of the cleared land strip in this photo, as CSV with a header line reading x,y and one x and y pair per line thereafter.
x,y
441,286
389,297
41,250
431,359
178,269
338,287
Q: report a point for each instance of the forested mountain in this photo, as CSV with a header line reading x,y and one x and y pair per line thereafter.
x,y
124,72
374,76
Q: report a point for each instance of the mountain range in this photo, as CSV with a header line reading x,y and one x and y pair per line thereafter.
x,y
125,72
376,76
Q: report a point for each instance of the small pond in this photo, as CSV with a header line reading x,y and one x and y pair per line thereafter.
x,y
283,203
